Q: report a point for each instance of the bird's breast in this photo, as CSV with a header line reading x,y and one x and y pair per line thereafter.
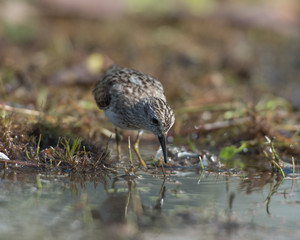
x,y
120,119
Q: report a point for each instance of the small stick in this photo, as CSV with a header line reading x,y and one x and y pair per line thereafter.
x,y
200,159
293,161
292,187
20,110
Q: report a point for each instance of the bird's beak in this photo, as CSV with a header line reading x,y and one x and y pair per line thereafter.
x,y
162,140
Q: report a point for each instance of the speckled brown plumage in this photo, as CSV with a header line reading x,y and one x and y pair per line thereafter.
x,y
134,100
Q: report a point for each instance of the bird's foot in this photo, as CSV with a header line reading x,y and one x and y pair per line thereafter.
x,y
143,164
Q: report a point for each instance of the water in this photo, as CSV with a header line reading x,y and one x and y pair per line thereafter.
x,y
185,206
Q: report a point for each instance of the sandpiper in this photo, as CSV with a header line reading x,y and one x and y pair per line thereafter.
x,y
134,100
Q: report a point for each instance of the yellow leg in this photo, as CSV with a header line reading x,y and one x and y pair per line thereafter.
x,y
129,150
118,141
136,149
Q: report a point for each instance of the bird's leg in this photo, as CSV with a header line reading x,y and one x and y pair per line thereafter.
x,y
118,141
130,156
136,148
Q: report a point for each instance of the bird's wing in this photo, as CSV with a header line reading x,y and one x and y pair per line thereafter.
x,y
101,95
101,91
143,83
124,82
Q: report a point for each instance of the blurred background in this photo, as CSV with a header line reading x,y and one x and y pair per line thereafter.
x,y
203,51
184,43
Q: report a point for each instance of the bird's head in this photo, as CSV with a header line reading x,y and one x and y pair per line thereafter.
x,y
160,118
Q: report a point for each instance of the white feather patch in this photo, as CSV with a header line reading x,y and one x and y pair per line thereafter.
x,y
134,79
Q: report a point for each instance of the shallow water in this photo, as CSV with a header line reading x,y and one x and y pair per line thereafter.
x,y
186,205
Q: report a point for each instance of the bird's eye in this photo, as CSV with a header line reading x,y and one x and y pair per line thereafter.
x,y
155,121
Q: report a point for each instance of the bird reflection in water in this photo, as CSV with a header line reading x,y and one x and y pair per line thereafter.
x,y
126,207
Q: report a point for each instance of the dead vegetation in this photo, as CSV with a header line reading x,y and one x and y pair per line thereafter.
x,y
47,147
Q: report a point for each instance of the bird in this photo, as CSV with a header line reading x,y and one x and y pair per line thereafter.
x,y
134,100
